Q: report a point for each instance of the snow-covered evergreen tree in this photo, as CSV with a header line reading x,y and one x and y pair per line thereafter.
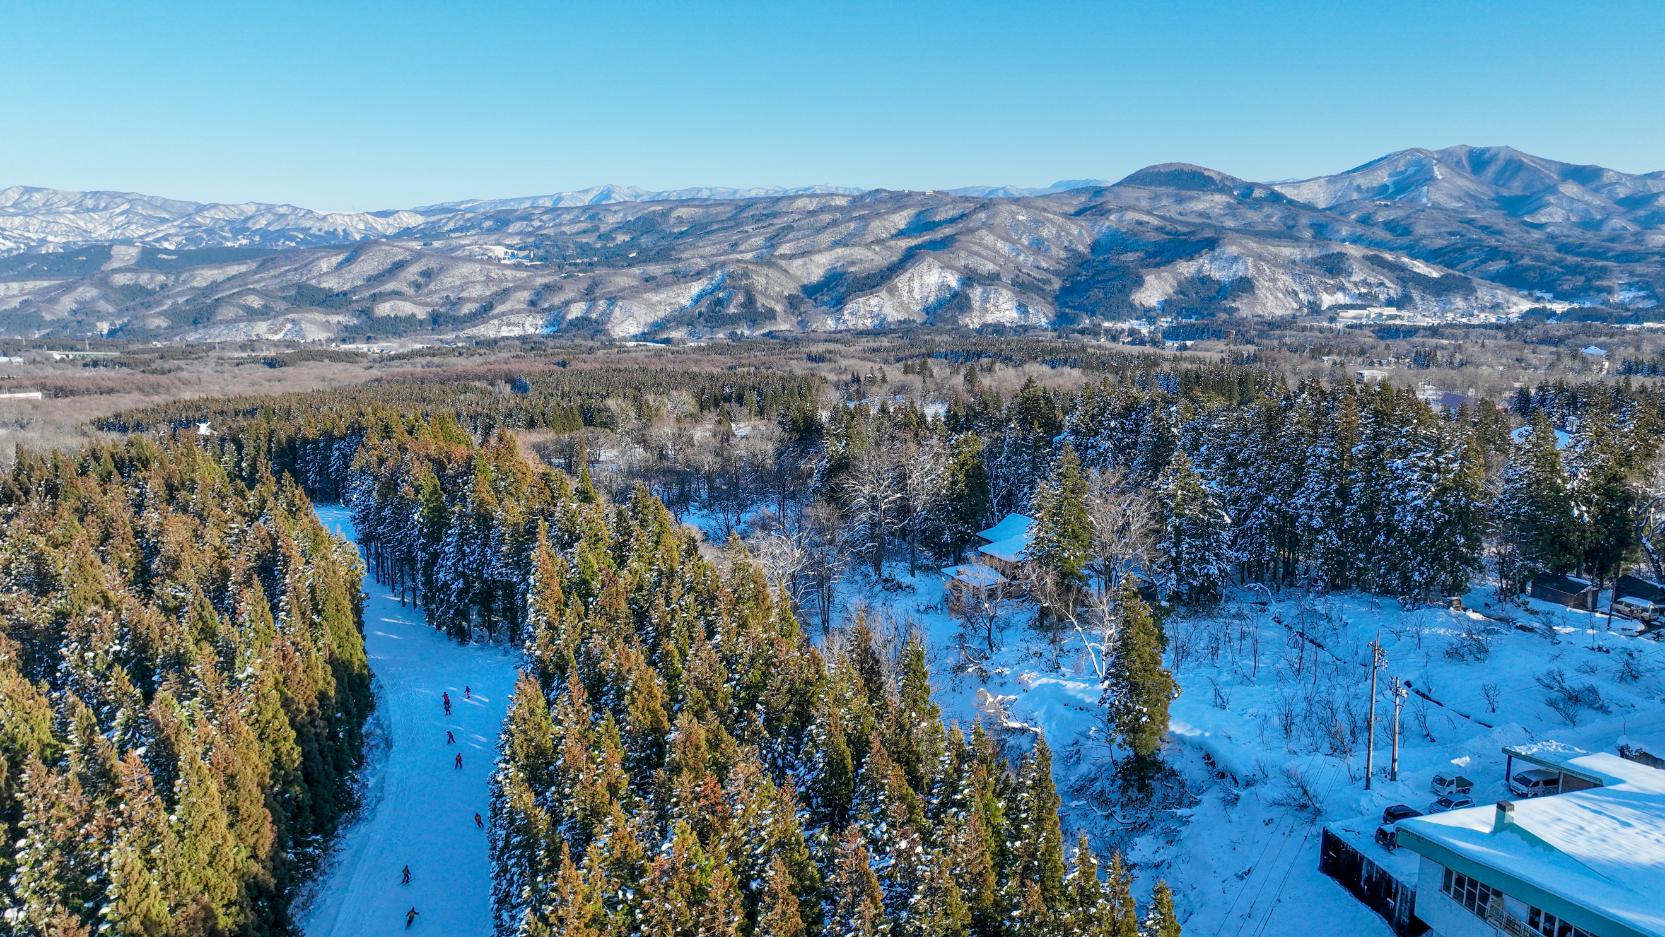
x,y
1137,688
1536,525
1196,536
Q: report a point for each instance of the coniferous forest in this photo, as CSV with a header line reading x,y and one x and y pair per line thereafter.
x,y
571,470
184,687
697,744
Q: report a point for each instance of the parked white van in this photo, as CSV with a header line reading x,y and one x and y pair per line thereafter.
x,y
1535,782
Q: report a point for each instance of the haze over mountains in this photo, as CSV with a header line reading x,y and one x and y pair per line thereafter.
x,y
1417,235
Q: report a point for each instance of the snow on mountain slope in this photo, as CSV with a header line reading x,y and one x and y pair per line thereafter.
x,y
419,808
603,194
1494,178
34,218
1431,235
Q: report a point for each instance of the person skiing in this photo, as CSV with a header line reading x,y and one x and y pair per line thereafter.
x,y
446,699
467,692
410,916
479,823
459,761
405,879
449,738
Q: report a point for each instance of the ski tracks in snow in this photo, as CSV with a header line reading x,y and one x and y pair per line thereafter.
x,y
419,809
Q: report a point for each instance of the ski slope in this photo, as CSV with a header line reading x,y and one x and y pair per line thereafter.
x,y
419,808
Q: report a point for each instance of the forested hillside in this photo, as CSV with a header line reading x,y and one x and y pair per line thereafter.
x,y
680,757
1237,474
684,755
183,682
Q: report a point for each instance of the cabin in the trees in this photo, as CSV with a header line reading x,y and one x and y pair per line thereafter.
x,y
1570,591
1006,544
974,585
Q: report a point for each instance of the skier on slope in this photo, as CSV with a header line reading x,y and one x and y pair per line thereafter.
x,y
459,761
480,824
446,699
467,692
449,738
410,916
405,879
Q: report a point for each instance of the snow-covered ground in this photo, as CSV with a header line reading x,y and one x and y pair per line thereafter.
x,y
419,808
1285,743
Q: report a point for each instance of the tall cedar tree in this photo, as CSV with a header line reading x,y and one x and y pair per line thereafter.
x,y
1536,525
1196,535
1063,534
1137,688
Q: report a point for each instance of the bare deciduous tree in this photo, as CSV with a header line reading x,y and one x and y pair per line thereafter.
x,y
1650,517
875,493
1124,527
824,544
784,560
1123,541
924,480
977,607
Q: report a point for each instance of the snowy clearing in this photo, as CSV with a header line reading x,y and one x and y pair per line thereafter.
x,y
418,807
1270,748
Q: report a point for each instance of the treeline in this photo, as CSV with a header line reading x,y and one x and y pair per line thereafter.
x,y
183,682
1243,478
1201,482
680,758
451,525
1354,488
488,397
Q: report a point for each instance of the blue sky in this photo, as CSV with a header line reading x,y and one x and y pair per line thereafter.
x,y
358,106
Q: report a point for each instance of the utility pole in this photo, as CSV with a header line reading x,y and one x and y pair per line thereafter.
x,y
1377,660
1397,687
1614,595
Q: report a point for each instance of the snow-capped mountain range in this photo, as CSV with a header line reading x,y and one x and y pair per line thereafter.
x,y
1459,233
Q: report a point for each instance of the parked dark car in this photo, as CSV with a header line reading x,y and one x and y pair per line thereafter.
x,y
1390,816
1399,812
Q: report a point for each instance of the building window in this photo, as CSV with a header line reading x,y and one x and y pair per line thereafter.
x,y
1474,895
1542,922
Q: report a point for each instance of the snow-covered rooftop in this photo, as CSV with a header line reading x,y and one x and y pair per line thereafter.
x,y
1601,849
1012,525
1563,439
1011,549
1009,539
1652,744
1547,752
975,574
1360,833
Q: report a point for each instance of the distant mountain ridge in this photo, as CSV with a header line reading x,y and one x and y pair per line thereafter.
x,y
33,218
1530,188
1416,235
37,219
604,194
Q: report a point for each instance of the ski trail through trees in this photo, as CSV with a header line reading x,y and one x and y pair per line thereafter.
x,y
420,807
